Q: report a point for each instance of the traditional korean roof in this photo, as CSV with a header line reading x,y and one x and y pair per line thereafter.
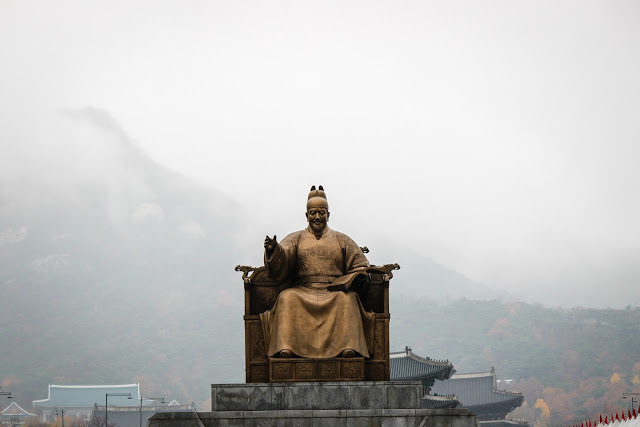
x,y
477,390
14,410
61,396
407,366
439,402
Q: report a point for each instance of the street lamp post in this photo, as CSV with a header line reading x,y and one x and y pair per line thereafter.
x,y
634,399
148,398
106,398
62,410
5,393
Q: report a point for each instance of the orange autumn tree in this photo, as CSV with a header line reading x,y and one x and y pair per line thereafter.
x,y
543,417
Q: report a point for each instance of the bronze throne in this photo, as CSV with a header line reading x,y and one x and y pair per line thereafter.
x,y
260,293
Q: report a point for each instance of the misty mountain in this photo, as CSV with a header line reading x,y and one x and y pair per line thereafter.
x,y
421,277
111,267
115,269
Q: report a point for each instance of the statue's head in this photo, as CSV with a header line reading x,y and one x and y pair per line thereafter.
x,y
317,209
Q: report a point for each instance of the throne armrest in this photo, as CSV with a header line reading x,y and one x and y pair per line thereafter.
x,y
260,291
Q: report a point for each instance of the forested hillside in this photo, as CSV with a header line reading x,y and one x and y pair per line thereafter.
x,y
573,363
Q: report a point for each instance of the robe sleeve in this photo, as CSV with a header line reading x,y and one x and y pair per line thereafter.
x,y
355,259
355,263
281,264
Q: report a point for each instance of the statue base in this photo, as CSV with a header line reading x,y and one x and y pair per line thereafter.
x,y
326,418
338,395
309,404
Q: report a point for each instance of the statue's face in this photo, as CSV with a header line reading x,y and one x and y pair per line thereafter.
x,y
317,216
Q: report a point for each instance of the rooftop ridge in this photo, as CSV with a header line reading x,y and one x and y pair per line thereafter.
x,y
471,375
410,354
146,408
506,392
59,395
94,385
18,410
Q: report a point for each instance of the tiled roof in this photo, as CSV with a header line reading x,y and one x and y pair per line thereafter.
x,y
87,395
437,402
406,366
474,389
14,410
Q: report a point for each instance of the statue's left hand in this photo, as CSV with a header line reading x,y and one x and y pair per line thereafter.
x,y
270,244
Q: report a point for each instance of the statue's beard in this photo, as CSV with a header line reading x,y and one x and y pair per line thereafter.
x,y
318,228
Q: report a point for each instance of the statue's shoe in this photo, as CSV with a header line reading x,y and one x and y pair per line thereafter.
x,y
285,354
348,353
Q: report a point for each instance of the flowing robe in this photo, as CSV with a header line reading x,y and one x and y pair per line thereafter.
x,y
308,319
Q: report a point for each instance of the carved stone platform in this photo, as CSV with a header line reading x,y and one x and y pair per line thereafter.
x,y
334,369
317,396
328,418
315,404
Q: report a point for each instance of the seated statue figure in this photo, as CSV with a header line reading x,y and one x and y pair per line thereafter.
x,y
321,314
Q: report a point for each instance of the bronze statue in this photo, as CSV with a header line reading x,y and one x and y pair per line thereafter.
x,y
321,314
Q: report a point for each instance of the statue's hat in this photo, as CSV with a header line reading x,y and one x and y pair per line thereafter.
x,y
315,194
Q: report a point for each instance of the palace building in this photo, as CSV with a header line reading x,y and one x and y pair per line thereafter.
x,y
14,415
478,392
408,366
444,388
78,401
127,416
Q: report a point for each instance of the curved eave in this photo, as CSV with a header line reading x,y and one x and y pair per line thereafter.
x,y
418,368
508,393
513,403
441,374
438,402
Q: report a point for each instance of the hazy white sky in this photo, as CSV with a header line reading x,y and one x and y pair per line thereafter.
x,y
498,138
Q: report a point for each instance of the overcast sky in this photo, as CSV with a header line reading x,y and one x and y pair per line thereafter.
x,y
498,138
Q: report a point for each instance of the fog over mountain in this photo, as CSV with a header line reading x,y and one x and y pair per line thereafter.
x,y
102,252
107,257
499,139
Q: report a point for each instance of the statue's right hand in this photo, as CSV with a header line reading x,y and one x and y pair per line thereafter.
x,y
270,244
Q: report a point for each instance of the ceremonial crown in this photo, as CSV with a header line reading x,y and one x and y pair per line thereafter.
x,y
317,193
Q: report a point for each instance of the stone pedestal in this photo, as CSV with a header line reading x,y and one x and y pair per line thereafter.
x,y
338,395
327,418
311,404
